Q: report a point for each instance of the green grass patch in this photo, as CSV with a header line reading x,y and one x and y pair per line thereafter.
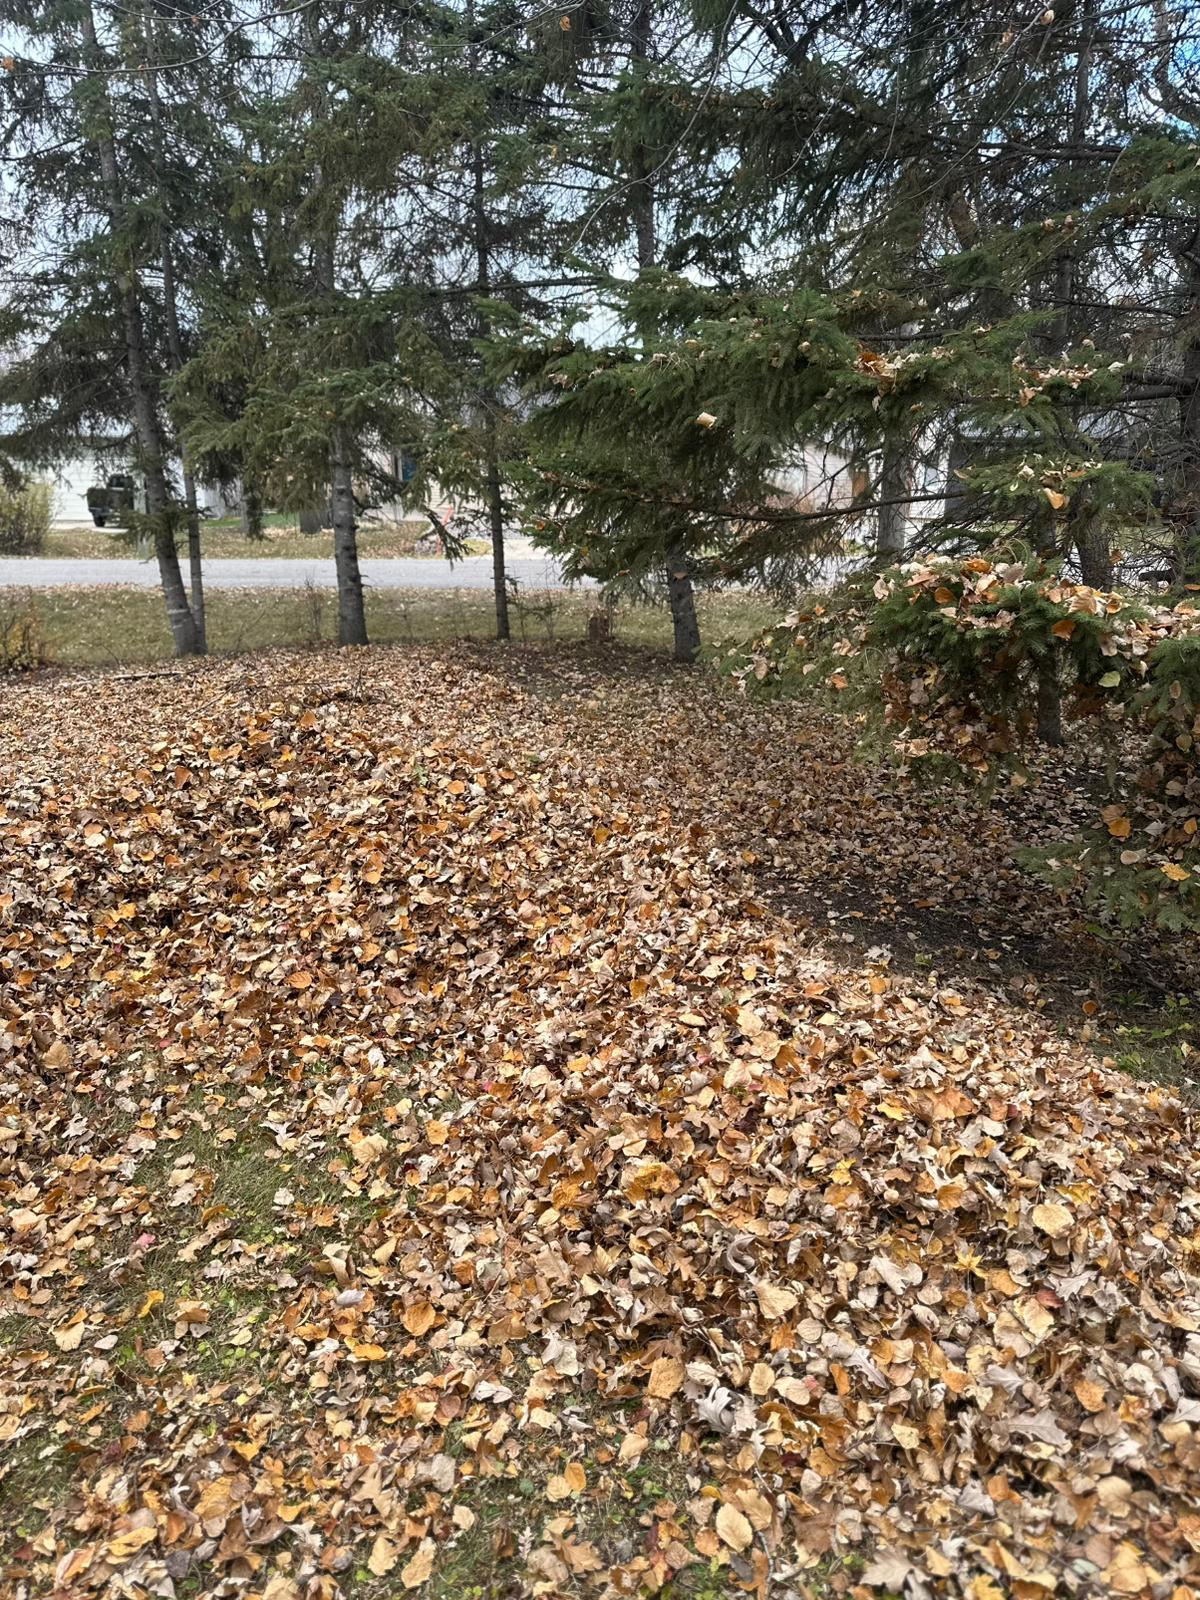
x,y
223,538
83,627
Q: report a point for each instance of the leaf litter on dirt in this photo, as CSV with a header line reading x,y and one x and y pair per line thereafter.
x,y
417,1139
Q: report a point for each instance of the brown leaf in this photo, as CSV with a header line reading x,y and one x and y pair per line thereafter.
x,y
666,1378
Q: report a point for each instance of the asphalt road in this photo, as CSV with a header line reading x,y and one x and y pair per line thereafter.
x,y
400,572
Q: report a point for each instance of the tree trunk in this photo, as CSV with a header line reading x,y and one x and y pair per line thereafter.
x,y
174,338
252,515
683,606
1049,702
680,590
1187,537
1090,540
488,400
496,519
141,381
352,620
892,518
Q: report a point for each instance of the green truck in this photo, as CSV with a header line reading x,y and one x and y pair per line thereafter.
x,y
113,500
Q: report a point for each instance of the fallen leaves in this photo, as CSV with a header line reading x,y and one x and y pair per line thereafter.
x,y
567,1167
419,1318
420,1569
774,1300
1052,1218
666,1378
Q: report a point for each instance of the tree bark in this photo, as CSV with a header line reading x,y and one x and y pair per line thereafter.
x,y
892,519
487,397
1090,540
352,620
496,521
683,606
142,388
681,593
1187,537
174,338
1049,702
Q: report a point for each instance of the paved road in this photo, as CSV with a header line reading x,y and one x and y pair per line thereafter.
x,y
401,572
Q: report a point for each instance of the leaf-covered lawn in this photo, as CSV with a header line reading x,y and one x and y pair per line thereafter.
x,y
435,1156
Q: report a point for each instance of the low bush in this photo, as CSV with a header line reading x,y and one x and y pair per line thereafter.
x,y
24,518
972,663
22,645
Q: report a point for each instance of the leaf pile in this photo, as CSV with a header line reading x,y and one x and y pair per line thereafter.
x,y
405,1104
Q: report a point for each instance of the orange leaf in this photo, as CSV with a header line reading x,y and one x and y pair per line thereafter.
x,y
419,1319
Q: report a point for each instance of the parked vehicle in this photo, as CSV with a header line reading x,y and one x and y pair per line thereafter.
x,y
113,500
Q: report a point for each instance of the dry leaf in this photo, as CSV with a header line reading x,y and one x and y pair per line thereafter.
x,y
734,1527
1053,1219
666,1378
419,1318
420,1568
775,1301
383,1557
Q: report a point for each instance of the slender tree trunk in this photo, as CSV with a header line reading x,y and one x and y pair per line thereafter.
x,y
191,508
683,606
1049,702
142,389
352,620
352,617
496,520
174,338
1187,538
487,398
1088,536
892,517
252,516
681,593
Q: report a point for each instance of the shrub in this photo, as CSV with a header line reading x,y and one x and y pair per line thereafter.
x,y
21,644
972,662
24,518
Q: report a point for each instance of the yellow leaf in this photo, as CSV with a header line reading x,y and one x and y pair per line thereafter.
x,y
1120,827
734,1527
1058,501
650,1177
576,1477
775,1301
420,1568
154,1298
70,1337
1175,872
368,1352
1052,1218
384,1556
666,1378
127,1544
437,1132
762,1378
983,1588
